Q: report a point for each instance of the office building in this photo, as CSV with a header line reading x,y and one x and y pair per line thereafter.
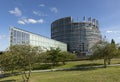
x,y
79,36
19,36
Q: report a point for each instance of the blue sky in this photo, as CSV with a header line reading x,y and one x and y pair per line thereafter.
x,y
37,15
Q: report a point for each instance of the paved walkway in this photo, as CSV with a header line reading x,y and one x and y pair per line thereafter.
x,y
65,69
74,68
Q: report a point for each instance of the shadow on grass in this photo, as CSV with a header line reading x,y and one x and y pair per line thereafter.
x,y
9,75
45,66
117,63
42,66
9,81
85,67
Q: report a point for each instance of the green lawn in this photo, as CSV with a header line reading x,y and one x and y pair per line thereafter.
x,y
72,64
109,74
86,63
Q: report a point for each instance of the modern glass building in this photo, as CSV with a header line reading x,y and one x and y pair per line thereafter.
x,y
80,36
19,36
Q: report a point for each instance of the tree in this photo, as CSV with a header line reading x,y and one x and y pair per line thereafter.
x,y
113,50
56,56
104,50
5,65
112,41
1,52
53,55
21,57
65,56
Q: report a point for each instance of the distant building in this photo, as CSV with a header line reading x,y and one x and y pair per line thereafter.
x,y
19,36
80,36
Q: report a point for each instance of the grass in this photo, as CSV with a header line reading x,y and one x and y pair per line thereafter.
x,y
109,74
86,63
72,64
99,75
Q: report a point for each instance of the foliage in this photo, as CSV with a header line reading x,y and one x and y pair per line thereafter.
x,y
118,53
20,57
53,55
56,55
5,65
65,56
1,53
104,50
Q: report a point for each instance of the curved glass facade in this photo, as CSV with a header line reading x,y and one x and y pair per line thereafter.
x,y
80,36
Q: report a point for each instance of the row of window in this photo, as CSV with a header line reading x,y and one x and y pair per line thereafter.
x,y
19,37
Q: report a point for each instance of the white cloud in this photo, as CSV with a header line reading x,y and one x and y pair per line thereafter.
x,y
35,12
30,21
109,31
33,21
2,36
39,13
114,31
21,22
16,12
54,10
42,5
40,21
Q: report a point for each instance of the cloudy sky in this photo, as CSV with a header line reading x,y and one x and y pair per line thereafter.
x,y
37,15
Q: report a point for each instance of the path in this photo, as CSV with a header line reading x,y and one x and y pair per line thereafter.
x,y
74,68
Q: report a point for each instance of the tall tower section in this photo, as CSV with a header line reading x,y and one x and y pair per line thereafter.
x,y
79,36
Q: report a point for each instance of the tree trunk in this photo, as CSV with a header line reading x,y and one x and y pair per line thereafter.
x,y
105,65
29,74
109,61
64,63
26,76
23,76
